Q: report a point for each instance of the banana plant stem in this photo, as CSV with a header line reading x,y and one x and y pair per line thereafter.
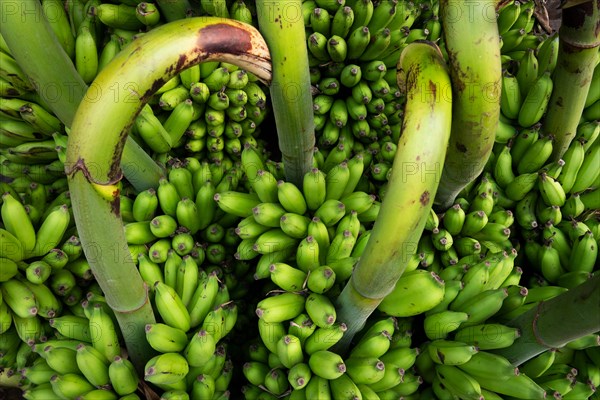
x,y
473,46
96,146
55,78
579,39
413,183
555,322
282,26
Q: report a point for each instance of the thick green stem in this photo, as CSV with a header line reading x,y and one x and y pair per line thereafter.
x,y
282,26
579,39
473,46
55,78
555,322
96,143
415,177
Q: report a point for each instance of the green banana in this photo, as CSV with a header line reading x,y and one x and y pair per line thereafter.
x,y
536,101
488,336
17,222
166,369
170,307
281,307
326,364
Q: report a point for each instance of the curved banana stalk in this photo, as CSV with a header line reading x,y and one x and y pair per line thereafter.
x,y
472,41
56,80
413,184
579,40
99,132
282,25
553,323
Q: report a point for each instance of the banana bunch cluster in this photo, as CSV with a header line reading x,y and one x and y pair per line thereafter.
x,y
196,315
31,141
82,360
210,110
31,230
353,49
180,220
527,86
571,372
518,28
321,224
294,357
555,203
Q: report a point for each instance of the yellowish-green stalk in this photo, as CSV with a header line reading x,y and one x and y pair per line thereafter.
x,y
98,134
555,322
413,184
38,52
473,46
282,26
579,40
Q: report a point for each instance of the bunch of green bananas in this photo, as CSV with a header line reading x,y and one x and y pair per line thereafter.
x,y
210,110
321,224
295,358
354,47
555,203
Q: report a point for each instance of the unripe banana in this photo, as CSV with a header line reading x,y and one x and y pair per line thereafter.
x,y
164,338
498,336
450,352
438,325
536,101
516,384
307,256
289,351
70,385
280,308
458,382
170,307
86,51
166,369
314,188
421,285
103,332
237,203
511,98
584,253
19,298
573,157
520,186
294,225
60,359
587,175
200,348
17,222
324,338
93,365
326,364
551,191
330,212
536,155
287,277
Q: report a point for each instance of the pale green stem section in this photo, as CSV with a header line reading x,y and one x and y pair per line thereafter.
x,y
97,142
282,26
579,39
56,80
412,186
555,322
473,46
